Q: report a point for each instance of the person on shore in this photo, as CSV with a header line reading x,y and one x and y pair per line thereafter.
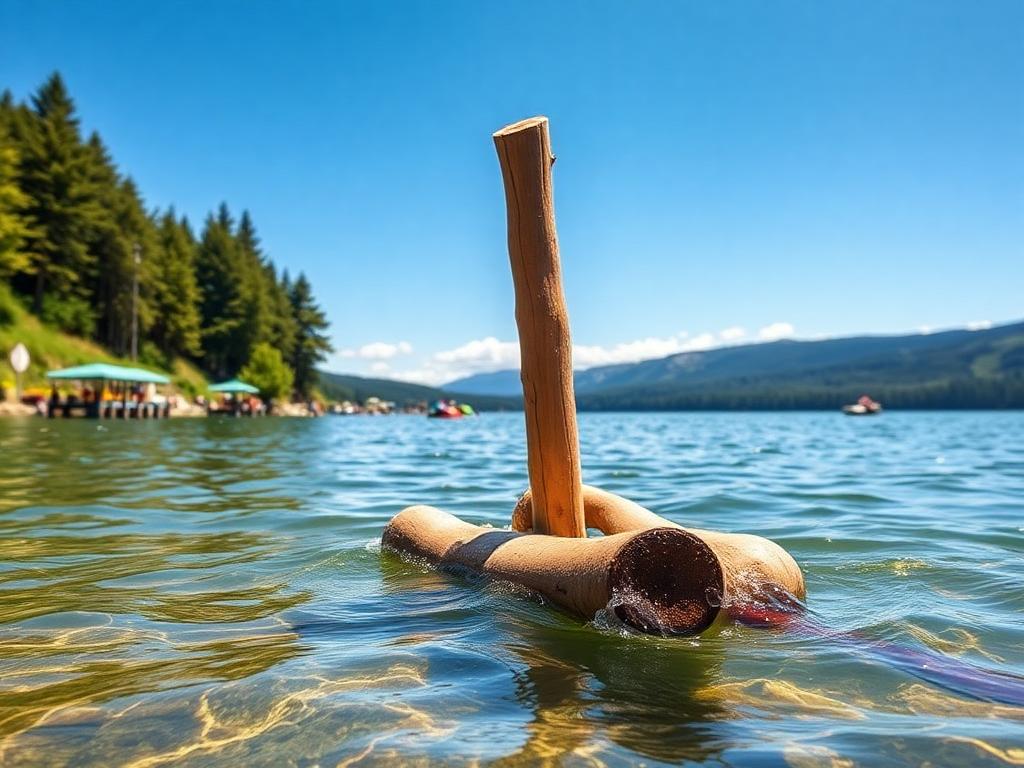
x,y
54,403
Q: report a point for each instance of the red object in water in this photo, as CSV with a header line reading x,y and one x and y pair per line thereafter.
x,y
445,411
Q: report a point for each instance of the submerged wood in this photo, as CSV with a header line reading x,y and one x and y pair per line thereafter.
x,y
660,580
552,441
753,566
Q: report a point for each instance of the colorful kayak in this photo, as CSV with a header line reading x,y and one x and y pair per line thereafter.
x,y
444,410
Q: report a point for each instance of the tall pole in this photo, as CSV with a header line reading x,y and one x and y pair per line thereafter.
x,y
552,442
137,253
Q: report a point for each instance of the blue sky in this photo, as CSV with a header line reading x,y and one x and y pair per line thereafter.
x,y
727,171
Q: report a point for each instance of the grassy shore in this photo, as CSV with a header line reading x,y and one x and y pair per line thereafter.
x,y
50,348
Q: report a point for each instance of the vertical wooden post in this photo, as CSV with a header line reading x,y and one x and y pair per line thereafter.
x,y
524,150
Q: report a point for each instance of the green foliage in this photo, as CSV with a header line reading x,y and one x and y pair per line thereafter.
x,y
176,321
14,225
311,343
48,348
283,325
70,313
243,303
63,203
221,306
9,309
125,244
267,371
78,244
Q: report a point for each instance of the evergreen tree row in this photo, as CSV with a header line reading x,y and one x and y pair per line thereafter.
x,y
75,236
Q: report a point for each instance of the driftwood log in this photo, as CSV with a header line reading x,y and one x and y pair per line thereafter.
x,y
661,580
749,563
654,574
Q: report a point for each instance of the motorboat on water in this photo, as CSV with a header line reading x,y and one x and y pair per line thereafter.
x,y
864,406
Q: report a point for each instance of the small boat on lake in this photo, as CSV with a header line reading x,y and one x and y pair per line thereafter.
x,y
864,406
449,409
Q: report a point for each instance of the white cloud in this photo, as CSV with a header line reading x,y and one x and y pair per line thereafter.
x,y
380,367
732,334
979,325
431,375
776,331
699,343
491,354
482,354
587,356
924,330
378,350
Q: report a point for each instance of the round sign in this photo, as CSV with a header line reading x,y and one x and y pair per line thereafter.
x,y
19,358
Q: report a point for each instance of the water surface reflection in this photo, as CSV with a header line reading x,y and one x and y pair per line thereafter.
x,y
211,593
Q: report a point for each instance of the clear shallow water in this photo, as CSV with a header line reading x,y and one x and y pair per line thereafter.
x,y
211,593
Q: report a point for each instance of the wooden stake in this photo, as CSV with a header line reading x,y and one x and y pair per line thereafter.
x,y
552,441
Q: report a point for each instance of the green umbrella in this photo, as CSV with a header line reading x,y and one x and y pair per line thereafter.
x,y
234,386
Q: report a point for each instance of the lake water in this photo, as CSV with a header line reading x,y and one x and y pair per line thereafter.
x,y
212,593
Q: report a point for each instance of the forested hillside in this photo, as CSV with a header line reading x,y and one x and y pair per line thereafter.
x,y
952,369
80,250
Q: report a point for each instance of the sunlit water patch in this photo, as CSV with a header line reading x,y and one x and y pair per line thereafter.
x,y
212,592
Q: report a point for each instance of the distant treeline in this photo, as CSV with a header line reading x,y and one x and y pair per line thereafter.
x,y
339,386
966,393
75,236
963,393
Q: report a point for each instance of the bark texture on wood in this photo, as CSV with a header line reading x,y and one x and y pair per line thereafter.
x,y
524,150
660,580
752,564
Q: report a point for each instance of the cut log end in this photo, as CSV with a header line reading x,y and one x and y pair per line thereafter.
x,y
666,581
522,125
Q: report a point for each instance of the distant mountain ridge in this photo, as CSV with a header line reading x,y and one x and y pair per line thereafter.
x,y
949,369
499,383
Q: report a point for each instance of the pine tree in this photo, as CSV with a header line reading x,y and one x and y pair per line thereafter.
x,y
124,243
176,320
284,328
76,238
62,205
311,344
256,295
222,305
15,229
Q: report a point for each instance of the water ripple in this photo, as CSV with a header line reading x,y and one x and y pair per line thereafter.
x,y
212,592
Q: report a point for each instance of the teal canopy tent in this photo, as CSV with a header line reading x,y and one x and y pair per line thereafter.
x,y
234,386
97,405
108,372
146,377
